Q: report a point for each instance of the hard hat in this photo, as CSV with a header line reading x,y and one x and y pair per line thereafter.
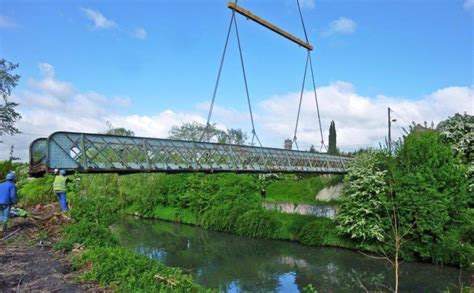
x,y
62,172
10,176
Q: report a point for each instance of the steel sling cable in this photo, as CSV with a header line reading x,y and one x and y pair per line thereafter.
x,y
312,76
254,134
218,76
301,99
302,21
317,104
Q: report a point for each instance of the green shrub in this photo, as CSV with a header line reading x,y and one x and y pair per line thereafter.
x,y
223,217
257,223
297,190
321,231
35,191
94,208
87,234
128,271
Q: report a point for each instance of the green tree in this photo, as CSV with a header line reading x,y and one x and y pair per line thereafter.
x,y
8,114
332,148
412,206
361,211
428,180
234,136
118,130
194,131
458,131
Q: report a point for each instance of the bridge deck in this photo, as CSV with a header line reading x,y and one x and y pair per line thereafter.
x,y
100,153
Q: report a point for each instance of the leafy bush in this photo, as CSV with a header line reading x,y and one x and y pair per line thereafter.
x,y
298,190
361,211
321,231
422,180
94,208
35,191
128,271
428,180
257,223
87,234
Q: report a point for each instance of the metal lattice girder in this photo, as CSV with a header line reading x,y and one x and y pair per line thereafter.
x,y
100,153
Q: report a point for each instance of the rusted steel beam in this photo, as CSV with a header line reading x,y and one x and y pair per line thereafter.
x,y
268,25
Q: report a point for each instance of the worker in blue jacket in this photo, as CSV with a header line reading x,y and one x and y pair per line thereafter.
x,y
7,199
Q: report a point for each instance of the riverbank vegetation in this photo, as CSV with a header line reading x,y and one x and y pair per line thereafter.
x,y
421,191
97,251
413,204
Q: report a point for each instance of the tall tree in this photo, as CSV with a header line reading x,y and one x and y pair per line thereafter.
x,y
233,136
8,114
118,130
332,148
194,131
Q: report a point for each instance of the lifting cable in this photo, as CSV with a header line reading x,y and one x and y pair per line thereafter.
x,y
218,77
254,134
308,58
301,99
233,21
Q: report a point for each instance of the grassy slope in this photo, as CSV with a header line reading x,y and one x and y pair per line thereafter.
x,y
299,190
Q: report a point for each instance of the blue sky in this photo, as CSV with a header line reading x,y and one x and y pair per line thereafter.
x,y
163,55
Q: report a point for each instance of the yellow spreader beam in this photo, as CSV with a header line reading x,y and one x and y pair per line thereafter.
x,y
268,25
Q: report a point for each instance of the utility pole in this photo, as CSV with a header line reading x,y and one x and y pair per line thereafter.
x,y
389,132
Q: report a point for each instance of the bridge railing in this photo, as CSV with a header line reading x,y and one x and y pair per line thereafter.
x,y
102,153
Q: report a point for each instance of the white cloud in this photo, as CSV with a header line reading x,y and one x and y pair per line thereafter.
x,y
47,105
307,4
360,120
49,85
6,22
468,5
342,25
140,33
100,21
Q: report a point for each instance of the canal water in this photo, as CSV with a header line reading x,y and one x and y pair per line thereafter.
x,y
239,264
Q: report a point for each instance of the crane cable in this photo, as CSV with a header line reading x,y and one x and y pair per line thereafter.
x,y
302,89
218,77
233,21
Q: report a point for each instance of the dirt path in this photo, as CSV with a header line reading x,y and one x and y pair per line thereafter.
x,y
29,264
30,268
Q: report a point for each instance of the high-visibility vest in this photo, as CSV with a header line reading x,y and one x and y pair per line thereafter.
x,y
59,184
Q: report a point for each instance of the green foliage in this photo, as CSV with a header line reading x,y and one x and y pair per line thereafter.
x,y
424,187
291,225
257,223
87,234
128,271
428,180
360,213
195,131
20,169
35,191
321,231
8,114
120,131
291,188
332,148
309,289
458,131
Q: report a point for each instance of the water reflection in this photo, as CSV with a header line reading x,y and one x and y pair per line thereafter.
x,y
236,264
